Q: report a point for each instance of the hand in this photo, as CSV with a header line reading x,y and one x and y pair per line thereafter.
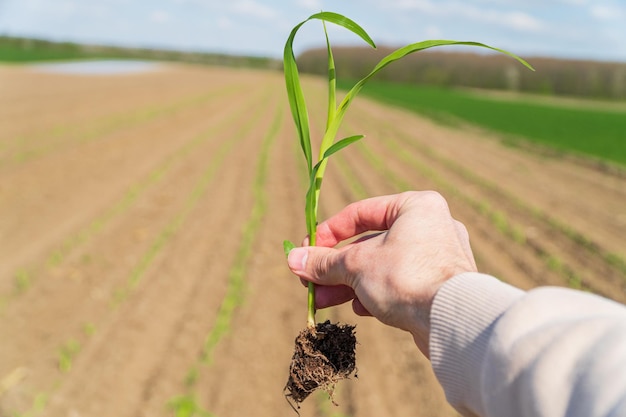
x,y
393,274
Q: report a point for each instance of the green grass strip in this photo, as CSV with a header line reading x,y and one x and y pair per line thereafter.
x,y
599,133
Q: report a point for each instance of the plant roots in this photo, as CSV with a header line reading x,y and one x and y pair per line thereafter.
x,y
323,356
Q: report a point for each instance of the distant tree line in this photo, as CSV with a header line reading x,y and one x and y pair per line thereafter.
x,y
16,49
489,71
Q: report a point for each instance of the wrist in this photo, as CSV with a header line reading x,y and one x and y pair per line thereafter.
x,y
420,326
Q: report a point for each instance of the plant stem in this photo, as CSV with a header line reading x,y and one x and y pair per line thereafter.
x,y
310,321
317,180
311,289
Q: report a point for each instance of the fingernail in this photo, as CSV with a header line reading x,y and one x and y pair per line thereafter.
x,y
297,259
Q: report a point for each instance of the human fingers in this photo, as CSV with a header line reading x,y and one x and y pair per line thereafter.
x,y
464,239
320,265
329,296
305,242
332,296
359,309
372,214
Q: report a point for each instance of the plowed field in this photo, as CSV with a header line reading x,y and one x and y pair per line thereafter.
x,y
141,221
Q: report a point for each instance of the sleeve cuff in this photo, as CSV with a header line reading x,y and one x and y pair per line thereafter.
x,y
463,315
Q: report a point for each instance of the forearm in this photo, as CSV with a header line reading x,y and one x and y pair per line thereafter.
x,y
500,351
462,318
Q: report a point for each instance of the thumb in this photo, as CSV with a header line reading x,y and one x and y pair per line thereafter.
x,y
318,264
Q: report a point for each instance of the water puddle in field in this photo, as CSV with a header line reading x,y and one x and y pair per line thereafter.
x,y
100,67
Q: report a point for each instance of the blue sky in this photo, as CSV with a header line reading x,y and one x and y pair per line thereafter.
x,y
586,29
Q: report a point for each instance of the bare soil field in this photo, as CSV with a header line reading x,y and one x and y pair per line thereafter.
x,y
141,221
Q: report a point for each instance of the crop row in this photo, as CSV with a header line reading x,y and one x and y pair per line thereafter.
x,y
186,405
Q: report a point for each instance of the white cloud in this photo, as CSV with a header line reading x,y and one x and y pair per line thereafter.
x,y
607,12
433,32
519,20
159,16
511,18
310,4
254,8
67,8
425,6
224,23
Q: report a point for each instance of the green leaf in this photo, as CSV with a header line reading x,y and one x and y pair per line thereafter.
x,y
332,82
345,22
295,94
288,246
401,53
339,145
310,209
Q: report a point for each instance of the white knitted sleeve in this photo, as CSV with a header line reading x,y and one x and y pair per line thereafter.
x,y
499,351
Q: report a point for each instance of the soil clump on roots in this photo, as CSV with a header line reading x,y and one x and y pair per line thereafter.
x,y
323,356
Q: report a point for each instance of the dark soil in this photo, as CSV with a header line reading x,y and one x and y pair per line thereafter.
x,y
323,356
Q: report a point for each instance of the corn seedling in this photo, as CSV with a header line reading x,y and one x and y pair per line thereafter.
x,y
67,353
300,383
186,406
89,329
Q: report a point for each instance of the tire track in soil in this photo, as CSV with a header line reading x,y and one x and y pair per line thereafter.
x,y
115,241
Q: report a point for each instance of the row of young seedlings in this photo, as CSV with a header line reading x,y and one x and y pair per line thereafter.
x,y
39,144
70,349
187,405
174,225
498,218
27,275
